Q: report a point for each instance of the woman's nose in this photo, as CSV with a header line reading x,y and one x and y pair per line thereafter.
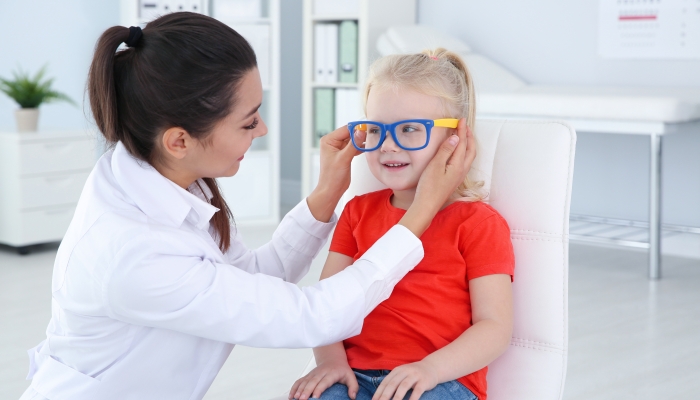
x,y
262,130
389,146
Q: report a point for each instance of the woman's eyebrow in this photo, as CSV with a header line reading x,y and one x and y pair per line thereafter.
x,y
253,111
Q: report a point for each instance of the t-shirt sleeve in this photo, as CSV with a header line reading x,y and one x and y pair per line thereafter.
x,y
487,248
343,241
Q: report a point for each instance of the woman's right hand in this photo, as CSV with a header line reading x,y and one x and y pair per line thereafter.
x,y
448,168
322,377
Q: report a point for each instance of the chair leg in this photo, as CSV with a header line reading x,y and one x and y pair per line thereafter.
x,y
655,208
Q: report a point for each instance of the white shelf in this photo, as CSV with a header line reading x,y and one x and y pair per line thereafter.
x,y
337,85
321,18
373,18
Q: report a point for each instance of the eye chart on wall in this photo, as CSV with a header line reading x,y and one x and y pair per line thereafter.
x,y
649,29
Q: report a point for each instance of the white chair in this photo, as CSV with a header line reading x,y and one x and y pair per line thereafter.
x,y
527,168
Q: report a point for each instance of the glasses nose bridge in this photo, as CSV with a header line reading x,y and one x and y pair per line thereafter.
x,y
389,135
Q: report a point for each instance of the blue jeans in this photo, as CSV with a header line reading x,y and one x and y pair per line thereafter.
x,y
369,381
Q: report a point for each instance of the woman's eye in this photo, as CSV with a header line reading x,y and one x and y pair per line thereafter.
x,y
253,125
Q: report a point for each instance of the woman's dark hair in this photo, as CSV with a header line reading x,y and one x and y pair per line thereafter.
x,y
183,72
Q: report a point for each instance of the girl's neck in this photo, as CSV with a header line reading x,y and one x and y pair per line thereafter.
x,y
404,198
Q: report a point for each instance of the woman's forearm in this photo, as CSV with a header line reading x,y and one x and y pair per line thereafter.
x,y
474,349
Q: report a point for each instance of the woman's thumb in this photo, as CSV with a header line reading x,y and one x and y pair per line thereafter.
x,y
447,148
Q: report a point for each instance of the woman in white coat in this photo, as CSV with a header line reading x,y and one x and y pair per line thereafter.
x,y
151,284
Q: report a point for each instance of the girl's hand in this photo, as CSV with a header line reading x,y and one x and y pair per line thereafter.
x,y
448,168
322,377
336,155
419,376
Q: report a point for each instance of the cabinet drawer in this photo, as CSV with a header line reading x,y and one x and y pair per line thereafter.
x,y
42,226
42,191
56,156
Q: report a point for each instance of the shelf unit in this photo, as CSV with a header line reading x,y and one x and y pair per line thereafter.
x,y
253,193
373,17
43,174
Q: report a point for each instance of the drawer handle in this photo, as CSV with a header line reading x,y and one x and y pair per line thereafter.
x,y
55,212
58,179
54,146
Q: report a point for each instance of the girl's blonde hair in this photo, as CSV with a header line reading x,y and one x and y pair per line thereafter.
x,y
440,73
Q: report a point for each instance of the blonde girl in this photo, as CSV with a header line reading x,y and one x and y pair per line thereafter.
x,y
452,315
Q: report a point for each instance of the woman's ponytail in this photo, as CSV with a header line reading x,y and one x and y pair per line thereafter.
x,y
101,88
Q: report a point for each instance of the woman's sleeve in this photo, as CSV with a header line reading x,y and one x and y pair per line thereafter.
x,y
295,243
158,282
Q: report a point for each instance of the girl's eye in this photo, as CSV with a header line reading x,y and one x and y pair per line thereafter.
x,y
253,125
409,129
374,131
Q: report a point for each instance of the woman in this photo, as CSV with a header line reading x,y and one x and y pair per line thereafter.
x,y
151,288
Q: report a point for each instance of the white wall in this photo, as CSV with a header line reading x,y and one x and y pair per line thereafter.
x,y
62,34
555,42
290,132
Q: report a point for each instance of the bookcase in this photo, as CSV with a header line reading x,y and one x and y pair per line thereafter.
x,y
253,193
339,38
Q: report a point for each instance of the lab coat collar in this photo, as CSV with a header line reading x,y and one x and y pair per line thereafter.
x,y
159,197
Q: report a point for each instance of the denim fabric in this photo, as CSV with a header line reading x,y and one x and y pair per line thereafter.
x,y
369,381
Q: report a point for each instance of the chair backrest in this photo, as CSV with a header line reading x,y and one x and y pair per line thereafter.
x,y
527,169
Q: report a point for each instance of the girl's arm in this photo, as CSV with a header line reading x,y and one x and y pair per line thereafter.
x,y
488,337
331,361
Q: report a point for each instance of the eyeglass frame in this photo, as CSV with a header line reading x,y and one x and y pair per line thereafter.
x,y
428,123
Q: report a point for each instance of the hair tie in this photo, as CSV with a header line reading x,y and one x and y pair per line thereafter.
x,y
134,36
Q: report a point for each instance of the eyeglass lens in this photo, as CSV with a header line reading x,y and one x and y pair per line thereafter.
x,y
410,135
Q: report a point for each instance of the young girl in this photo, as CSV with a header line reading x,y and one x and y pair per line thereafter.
x,y
452,315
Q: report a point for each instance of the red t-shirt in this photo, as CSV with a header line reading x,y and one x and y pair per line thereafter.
x,y
430,307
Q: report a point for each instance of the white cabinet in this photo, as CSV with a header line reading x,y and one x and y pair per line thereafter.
x,y
41,178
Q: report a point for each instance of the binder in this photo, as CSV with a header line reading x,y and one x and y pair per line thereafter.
x,y
324,109
347,106
320,53
347,52
258,35
331,55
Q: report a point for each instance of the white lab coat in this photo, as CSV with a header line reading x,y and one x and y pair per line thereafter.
x,y
145,306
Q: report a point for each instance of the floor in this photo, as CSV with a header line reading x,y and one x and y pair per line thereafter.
x,y
629,338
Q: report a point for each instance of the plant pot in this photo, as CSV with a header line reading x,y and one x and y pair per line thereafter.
x,y
27,119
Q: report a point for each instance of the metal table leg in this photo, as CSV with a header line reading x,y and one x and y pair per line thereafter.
x,y
655,208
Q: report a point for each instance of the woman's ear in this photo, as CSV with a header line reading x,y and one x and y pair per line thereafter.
x,y
176,142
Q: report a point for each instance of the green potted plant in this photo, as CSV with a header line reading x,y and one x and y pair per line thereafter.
x,y
30,93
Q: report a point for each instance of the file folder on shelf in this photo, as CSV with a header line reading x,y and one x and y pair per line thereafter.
x,y
347,54
347,106
324,109
326,53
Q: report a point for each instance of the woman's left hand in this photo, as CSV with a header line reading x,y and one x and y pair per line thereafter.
x,y
336,155
419,376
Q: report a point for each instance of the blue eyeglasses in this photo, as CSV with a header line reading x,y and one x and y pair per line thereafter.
x,y
409,134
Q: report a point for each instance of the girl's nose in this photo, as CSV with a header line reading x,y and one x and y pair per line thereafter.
x,y
389,146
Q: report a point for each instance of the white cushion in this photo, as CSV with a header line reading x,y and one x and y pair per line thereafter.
x,y
669,105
